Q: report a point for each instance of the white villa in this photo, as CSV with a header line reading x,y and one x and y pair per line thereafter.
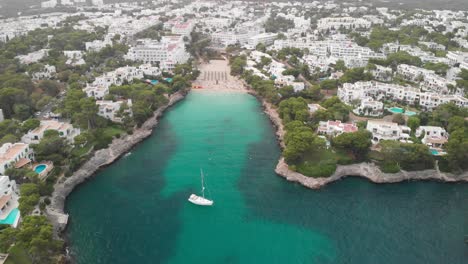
x,y
335,128
434,136
109,109
47,72
75,57
9,195
383,130
17,155
65,130
97,44
369,107
33,56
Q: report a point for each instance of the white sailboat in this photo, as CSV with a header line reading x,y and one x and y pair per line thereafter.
x,y
200,200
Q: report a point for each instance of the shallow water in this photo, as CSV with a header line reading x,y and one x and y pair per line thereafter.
x,y
136,210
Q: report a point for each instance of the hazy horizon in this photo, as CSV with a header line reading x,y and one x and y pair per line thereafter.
x,y
12,7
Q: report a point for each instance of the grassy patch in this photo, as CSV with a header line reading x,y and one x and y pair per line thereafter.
x,y
81,151
389,167
18,256
104,136
320,163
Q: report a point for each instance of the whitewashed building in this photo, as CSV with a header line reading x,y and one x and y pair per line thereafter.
x,y
335,128
110,109
434,136
47,72
167,53
383,130
9,195
15,155
65,130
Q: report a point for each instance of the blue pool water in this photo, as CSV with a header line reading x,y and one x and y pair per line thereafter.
x,y
40,168
396,110
153,82
169,80
434,152
10,218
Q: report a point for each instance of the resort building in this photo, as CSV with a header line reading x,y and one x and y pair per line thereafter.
x,y
428,80
65,130
434,136
167,52
369,107
183,28
335,128
9,195
381,73
100,87
349,93
335,23
110,109
383,130
264,38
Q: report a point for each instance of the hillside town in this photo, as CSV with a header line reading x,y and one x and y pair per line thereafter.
x,y
393,81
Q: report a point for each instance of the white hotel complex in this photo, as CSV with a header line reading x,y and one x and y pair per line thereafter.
x,y
382,91
167,52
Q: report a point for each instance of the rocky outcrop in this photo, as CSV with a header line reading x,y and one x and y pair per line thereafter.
x,y
369,171
119,146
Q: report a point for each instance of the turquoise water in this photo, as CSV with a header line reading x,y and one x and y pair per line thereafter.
x,y
434,151
10,219
396,110
136,210
40,168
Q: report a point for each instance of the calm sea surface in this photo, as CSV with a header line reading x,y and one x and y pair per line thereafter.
x,y
136,210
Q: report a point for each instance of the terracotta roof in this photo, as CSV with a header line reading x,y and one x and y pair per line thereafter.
x,y
21,162
437,140
4,200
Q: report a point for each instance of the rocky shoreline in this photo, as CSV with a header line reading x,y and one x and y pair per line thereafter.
x,y
104,157
369,171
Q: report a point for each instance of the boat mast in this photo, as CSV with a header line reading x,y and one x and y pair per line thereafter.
x,y
202,183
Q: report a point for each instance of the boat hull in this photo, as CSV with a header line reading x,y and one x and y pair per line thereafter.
x,y
195,199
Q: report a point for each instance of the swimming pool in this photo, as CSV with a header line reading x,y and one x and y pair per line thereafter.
x,y
40,168
434,151
154,82
396,110
11,218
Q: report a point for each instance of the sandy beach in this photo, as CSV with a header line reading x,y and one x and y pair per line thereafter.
x,y
216,76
